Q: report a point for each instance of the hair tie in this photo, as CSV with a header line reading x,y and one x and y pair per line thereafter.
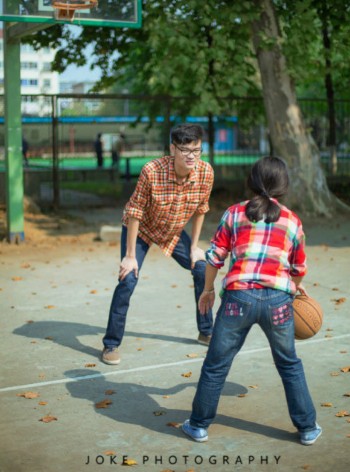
x,y
264,194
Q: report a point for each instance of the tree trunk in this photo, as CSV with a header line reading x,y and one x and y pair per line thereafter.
x,y
332,138
309,193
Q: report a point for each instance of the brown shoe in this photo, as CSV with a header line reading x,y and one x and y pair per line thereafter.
x,y
110,356
203,339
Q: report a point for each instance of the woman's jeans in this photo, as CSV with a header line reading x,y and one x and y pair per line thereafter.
x,y
239,310
121,297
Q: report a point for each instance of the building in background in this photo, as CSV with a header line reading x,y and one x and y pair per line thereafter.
x,y
36,78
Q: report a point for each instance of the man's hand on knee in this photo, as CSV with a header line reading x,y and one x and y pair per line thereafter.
x,y
127,265
197,254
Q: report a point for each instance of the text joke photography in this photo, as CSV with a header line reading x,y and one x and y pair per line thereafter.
x,y
173,459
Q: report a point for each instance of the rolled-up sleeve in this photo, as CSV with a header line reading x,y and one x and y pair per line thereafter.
x,y
220,244
203,207
298,266
140,198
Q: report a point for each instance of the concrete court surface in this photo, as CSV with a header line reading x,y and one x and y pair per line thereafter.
x,y
55,296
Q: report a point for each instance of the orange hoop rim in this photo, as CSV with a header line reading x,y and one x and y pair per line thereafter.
x,y
75,6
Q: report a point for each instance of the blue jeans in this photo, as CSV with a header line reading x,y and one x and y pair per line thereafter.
x,y
122,294
239,310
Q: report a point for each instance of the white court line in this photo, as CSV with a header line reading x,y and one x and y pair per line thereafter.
x,y
157,366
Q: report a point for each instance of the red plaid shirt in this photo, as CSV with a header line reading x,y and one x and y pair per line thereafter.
x,y
163,206
262,254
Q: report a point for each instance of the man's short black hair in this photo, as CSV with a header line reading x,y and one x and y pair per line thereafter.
x,y
186,133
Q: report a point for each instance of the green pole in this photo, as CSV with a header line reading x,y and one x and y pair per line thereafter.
x,y
13,140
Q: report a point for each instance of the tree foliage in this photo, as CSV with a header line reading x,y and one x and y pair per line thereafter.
x,y
185,48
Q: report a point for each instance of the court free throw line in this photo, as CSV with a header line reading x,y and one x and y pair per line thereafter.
x,y
299,345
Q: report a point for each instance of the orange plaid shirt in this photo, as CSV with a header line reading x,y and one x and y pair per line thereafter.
x,y
163,206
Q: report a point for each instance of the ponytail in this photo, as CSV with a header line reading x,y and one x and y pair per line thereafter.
x,y
268,179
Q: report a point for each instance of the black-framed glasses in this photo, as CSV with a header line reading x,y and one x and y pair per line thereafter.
x,y
187,152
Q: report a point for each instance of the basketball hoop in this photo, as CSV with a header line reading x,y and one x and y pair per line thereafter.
x,y
66,10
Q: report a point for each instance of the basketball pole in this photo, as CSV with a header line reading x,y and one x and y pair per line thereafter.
x,y
13,139
13,128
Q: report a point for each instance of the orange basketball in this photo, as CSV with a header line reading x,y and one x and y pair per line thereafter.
x,y
308,317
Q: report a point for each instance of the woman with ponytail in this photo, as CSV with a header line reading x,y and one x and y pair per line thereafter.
x,y
266,245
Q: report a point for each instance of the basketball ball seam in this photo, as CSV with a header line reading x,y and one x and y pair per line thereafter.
x,y
312,329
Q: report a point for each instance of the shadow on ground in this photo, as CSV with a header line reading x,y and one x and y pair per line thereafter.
x,y
145,411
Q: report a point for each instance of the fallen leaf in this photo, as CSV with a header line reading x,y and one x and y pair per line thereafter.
x,y
329,329
174,286
187,374
242,395
334,374
42,403
109,453
50,338
93,291
173,424
347,394
339,301
104,403
345,369
30,321
159,413
28,395
335,289
167,470
306,467
17,279
252,386
192,356
327,404
49,307
316,284
178,306
129,462
139,349
166,396
342,413
343,352
90,365
48,419
25,265
109,392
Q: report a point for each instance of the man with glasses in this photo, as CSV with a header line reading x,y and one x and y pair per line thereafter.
x,y
169,192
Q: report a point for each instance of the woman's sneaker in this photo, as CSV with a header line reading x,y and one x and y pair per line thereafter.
x,y
309,437
197,434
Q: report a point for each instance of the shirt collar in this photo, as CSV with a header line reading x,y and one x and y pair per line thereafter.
x,y
192,177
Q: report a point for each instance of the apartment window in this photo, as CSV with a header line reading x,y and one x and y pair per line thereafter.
x,y
29,65
47,67
46,83
29,82
27,48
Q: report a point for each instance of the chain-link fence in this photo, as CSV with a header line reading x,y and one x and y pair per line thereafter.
x,y
66,126
61,132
